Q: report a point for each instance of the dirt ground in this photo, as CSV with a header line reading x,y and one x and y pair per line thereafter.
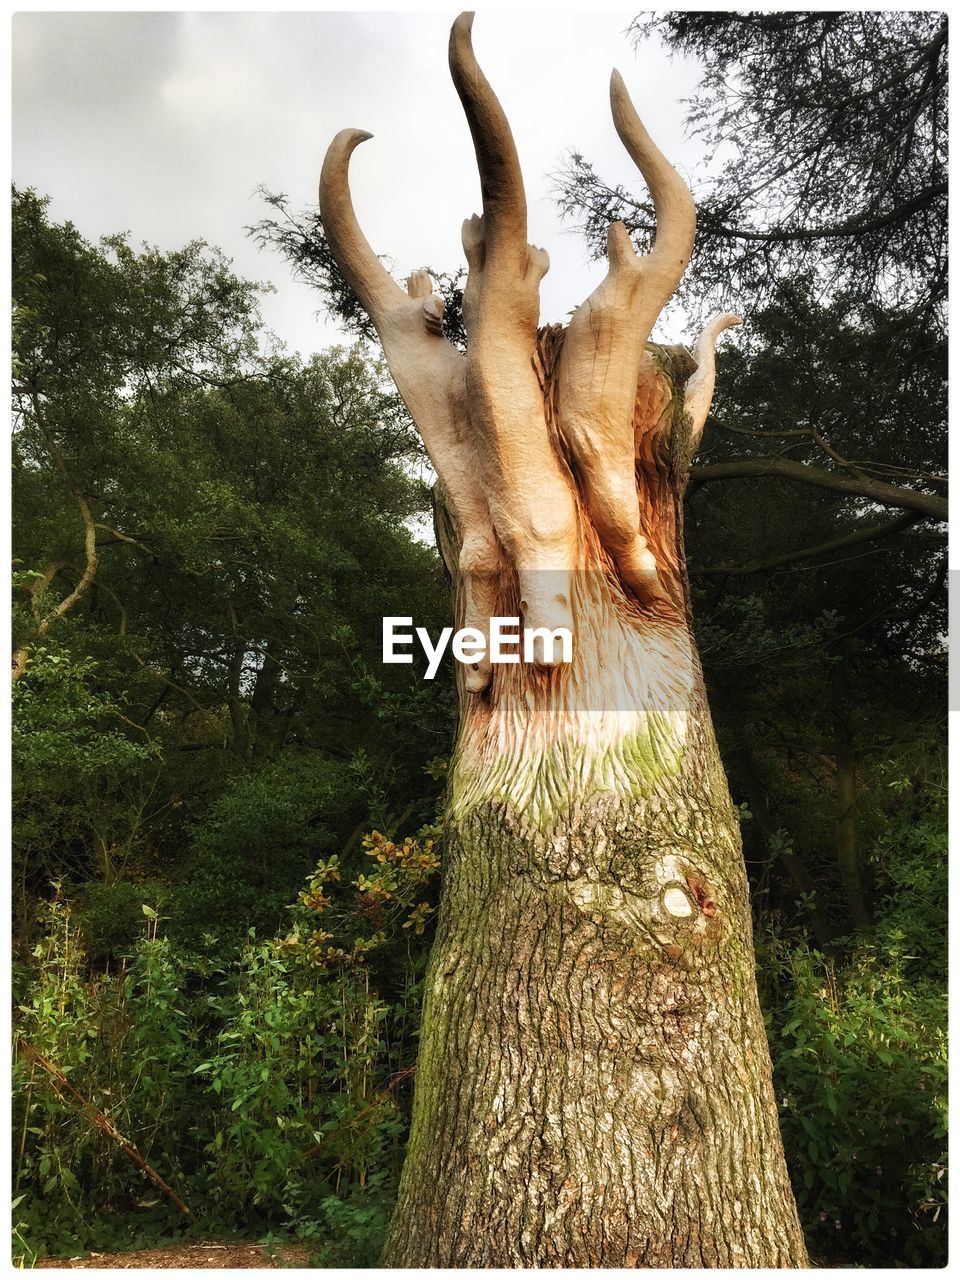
x,y
202,1254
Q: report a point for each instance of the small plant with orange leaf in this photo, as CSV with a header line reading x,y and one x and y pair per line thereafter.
x,y
343,920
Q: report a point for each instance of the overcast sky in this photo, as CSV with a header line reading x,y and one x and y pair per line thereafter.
x,y
163,125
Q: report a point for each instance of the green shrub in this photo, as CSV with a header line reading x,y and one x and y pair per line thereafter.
x,y
81,778
266,1087
295,1071
860,1073
120,1040
269,1084
352,1228
859,1047
257,841
110,915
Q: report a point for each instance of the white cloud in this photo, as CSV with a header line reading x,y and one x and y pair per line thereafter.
x,y
165,123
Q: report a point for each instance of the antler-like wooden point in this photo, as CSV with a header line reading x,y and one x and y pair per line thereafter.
x,y
699,392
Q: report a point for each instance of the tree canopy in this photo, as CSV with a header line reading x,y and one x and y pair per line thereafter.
x,y
207,527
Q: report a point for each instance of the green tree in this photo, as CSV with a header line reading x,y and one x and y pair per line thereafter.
x,y
823,693
208,533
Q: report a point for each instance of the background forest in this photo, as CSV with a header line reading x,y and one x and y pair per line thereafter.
x,y
228,814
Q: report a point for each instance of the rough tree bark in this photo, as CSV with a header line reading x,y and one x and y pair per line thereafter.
x,y
594,1085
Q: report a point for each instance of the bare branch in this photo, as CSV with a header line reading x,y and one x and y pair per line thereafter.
x,y
858,225
21,656
68,1093
887,495
38,587
857,536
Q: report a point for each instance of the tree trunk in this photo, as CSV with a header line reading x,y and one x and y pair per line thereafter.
x,y
594,1084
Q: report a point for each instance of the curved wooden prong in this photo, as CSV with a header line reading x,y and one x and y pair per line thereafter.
x,y
676,217
501,180
428,371
530,497
699,393
604,349
362,269
509,269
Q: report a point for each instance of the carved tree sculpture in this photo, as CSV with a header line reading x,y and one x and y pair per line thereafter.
x,y
593,1086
